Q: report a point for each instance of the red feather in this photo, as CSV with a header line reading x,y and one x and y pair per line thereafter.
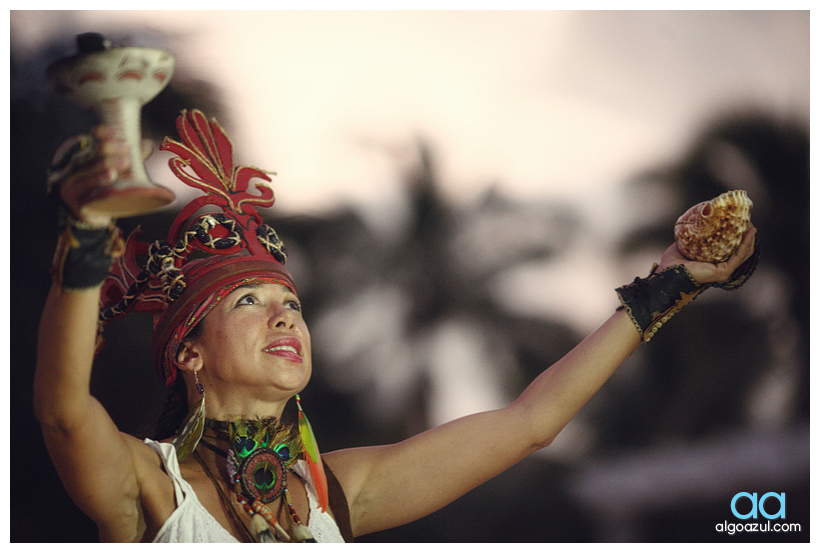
x,y
317,473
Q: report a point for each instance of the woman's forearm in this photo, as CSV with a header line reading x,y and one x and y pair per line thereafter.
x,y
553,398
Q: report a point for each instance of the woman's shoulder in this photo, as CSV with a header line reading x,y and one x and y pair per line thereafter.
x,y
158,467
148,453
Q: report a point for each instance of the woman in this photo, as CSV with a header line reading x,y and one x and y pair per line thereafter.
x,y
230,336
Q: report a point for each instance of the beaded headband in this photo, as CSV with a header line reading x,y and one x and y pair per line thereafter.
x,y
240,247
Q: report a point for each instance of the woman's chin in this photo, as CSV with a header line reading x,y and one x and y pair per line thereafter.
x,y
291,384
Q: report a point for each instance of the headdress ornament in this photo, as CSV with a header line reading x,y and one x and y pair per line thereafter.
x,y
237,245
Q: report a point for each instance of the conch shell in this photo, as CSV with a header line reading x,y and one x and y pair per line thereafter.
x,y
712,231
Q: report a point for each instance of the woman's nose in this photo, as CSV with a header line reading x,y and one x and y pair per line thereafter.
x,y
281,317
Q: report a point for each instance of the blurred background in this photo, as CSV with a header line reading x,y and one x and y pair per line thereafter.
x,y
460,193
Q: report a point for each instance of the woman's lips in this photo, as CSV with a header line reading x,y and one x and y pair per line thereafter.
x,y
289,348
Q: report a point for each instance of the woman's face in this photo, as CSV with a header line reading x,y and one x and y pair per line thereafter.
x,y
256,342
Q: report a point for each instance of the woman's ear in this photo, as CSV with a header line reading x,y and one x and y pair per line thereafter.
x,y
189,357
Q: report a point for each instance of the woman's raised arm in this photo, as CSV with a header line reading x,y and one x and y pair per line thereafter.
x,y
100,467
391,485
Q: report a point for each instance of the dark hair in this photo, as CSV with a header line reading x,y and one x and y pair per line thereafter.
x,y
175,408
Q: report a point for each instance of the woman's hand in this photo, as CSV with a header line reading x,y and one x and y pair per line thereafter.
x,y
705,273
110,160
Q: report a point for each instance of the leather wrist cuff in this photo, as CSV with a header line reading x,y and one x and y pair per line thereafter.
x,y
652,301
84,255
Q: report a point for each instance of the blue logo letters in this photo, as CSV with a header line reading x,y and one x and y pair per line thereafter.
x,y
781,498
753,512
759,505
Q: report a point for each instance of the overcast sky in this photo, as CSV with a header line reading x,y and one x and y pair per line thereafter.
x,y
545,105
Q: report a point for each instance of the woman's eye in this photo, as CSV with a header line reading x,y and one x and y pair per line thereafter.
x,y
247,300
295,305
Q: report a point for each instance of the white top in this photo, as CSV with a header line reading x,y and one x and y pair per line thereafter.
x,y
192,523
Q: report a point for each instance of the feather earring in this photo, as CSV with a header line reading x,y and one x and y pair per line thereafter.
x,y
192,426
314,460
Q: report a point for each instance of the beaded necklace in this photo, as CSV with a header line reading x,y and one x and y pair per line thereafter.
x,y
260,453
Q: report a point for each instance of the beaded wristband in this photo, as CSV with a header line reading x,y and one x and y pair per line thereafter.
x,y
84,254
653,300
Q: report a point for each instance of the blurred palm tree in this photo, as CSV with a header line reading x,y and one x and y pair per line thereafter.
x,y
382,306
697,385
719,402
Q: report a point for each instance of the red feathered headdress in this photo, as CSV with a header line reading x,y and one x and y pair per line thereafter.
x,y
241,248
